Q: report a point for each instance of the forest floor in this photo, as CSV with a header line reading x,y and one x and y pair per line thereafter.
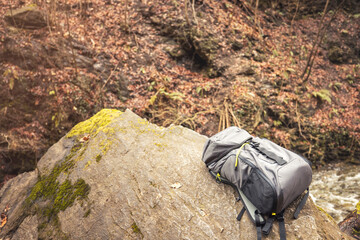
x,y
205,65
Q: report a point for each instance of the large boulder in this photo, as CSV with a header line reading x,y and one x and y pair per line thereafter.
x,y
116,176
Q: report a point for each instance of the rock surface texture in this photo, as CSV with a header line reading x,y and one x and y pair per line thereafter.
x,y
116,176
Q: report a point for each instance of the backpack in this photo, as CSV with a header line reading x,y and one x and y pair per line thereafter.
x,y
266,176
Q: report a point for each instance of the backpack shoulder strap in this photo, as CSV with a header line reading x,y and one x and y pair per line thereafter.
x,y
282,230
241,214
258,224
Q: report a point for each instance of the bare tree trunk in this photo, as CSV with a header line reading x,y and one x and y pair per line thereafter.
x,y
321,33
126,15
186,13
315,46
256,11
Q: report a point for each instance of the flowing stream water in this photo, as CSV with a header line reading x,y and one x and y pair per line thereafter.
x,y
336,189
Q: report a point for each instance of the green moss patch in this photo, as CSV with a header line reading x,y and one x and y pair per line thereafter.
x,y
98,157
48,197
60,195
87,213
135,228
95,124
68,193
47,187
99,122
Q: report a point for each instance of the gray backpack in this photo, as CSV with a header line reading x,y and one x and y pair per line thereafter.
x,y
267,177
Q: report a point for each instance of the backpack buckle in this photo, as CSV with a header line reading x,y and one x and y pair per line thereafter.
x,y
280,217
218,178
254,144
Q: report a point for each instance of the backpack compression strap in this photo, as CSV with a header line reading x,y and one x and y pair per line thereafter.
x,y
268,153
301,204
241,213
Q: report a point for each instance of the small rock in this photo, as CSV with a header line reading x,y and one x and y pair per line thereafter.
x,y
249,71
99,67
258,56
155,20
237,45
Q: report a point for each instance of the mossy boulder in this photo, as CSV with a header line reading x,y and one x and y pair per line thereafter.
x,y
338,55
128,192
351,224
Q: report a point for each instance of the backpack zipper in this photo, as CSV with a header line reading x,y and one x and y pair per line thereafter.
x,y
238,153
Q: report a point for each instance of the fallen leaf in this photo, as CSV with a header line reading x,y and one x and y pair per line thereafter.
x,y
85,138
176,185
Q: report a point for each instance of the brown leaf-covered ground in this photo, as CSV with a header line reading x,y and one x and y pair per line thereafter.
x,y
205,65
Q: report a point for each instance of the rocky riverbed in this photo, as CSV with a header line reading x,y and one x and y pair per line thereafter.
x,y
336,189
